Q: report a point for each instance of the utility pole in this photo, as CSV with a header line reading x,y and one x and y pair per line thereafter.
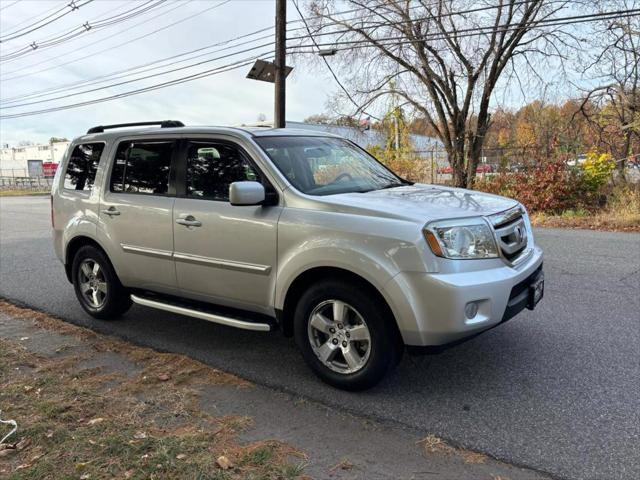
x,y
280,63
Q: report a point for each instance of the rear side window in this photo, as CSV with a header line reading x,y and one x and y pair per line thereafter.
x,y
82,166
212,167
142,167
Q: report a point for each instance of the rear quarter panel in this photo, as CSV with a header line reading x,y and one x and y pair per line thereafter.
x,y
76,213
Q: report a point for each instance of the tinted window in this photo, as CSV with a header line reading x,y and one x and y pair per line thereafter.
x,y
82,166
212,167
142,167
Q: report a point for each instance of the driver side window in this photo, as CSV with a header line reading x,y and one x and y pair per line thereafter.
x,y
212,167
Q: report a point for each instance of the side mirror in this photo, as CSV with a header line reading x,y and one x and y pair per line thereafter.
x,y
246,193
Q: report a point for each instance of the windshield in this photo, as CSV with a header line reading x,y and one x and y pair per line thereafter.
x,y
326,166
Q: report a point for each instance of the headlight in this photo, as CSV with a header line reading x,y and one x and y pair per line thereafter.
x,y
467,238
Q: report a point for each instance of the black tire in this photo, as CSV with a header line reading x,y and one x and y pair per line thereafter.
x,y
385,347
116,301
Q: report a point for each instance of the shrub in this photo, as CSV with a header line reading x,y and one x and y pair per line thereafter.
x,y
597,170
549,188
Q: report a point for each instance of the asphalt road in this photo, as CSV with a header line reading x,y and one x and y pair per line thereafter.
x,y
557,390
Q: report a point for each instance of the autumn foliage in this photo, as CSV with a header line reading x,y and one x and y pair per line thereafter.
x,y
552,187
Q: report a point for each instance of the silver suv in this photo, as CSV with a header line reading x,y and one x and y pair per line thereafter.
x,y
291,229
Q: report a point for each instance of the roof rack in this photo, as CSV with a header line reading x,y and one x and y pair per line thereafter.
x,y
162,123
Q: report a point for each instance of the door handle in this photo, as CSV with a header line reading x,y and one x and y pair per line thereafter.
x,y
111,211
188,221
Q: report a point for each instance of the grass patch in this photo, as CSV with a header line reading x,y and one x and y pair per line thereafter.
x,y
23,192
85,423
621,213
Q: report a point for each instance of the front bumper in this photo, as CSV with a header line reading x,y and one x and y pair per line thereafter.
x,y
430,308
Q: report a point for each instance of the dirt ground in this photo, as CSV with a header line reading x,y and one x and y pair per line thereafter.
x,y
89,406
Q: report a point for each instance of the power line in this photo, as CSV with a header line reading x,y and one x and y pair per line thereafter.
x,y
477,31
189,78
132,71
326,62
34,26
9,6
43,14
92,26
22,75
137,69
139,79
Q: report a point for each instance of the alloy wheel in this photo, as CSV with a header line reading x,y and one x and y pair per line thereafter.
x,y
339,336
92,283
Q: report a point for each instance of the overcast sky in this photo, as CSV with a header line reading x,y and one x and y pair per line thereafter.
x,y
224,99
170,28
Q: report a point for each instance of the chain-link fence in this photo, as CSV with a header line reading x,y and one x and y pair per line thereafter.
x,y
432,166
25,183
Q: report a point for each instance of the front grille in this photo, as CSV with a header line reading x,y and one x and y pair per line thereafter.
x,y
511,233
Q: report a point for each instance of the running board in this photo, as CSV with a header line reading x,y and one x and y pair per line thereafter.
x,y
201,314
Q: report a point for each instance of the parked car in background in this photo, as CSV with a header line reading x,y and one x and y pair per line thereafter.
x,y
266,228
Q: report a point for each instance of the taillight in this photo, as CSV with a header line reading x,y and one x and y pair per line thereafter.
x,y
51,204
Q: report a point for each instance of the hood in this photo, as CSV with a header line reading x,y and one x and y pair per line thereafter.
x,y
421,203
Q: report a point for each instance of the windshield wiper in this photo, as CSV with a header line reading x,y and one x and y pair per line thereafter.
x,y
402,183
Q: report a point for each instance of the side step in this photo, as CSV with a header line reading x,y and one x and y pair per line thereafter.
x,y
201,313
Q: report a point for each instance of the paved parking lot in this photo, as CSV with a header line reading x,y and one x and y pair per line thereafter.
x,y
557,390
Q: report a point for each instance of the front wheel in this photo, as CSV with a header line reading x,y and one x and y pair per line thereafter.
x,y
345,335
97,286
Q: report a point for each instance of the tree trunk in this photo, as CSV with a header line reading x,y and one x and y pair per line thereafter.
x,y
456,160
475,149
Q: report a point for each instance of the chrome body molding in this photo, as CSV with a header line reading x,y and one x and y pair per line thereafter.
x,y
507,216
209,261
220,263
151,252
210,317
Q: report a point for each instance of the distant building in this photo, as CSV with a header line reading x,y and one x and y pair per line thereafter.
x,y
31,160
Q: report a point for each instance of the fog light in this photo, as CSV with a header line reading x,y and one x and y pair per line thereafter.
x,y
471,310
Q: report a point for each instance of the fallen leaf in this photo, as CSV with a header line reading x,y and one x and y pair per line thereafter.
x,y
140,435
23,466
95,421
163,377
7,451
128,474
28,388
343,465
224,463
181,456
85,476
22,444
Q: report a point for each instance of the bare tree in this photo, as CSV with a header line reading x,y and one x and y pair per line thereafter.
x,y
613,105
443,58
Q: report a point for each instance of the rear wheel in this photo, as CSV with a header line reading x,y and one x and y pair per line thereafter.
x,y
97,286
345,335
